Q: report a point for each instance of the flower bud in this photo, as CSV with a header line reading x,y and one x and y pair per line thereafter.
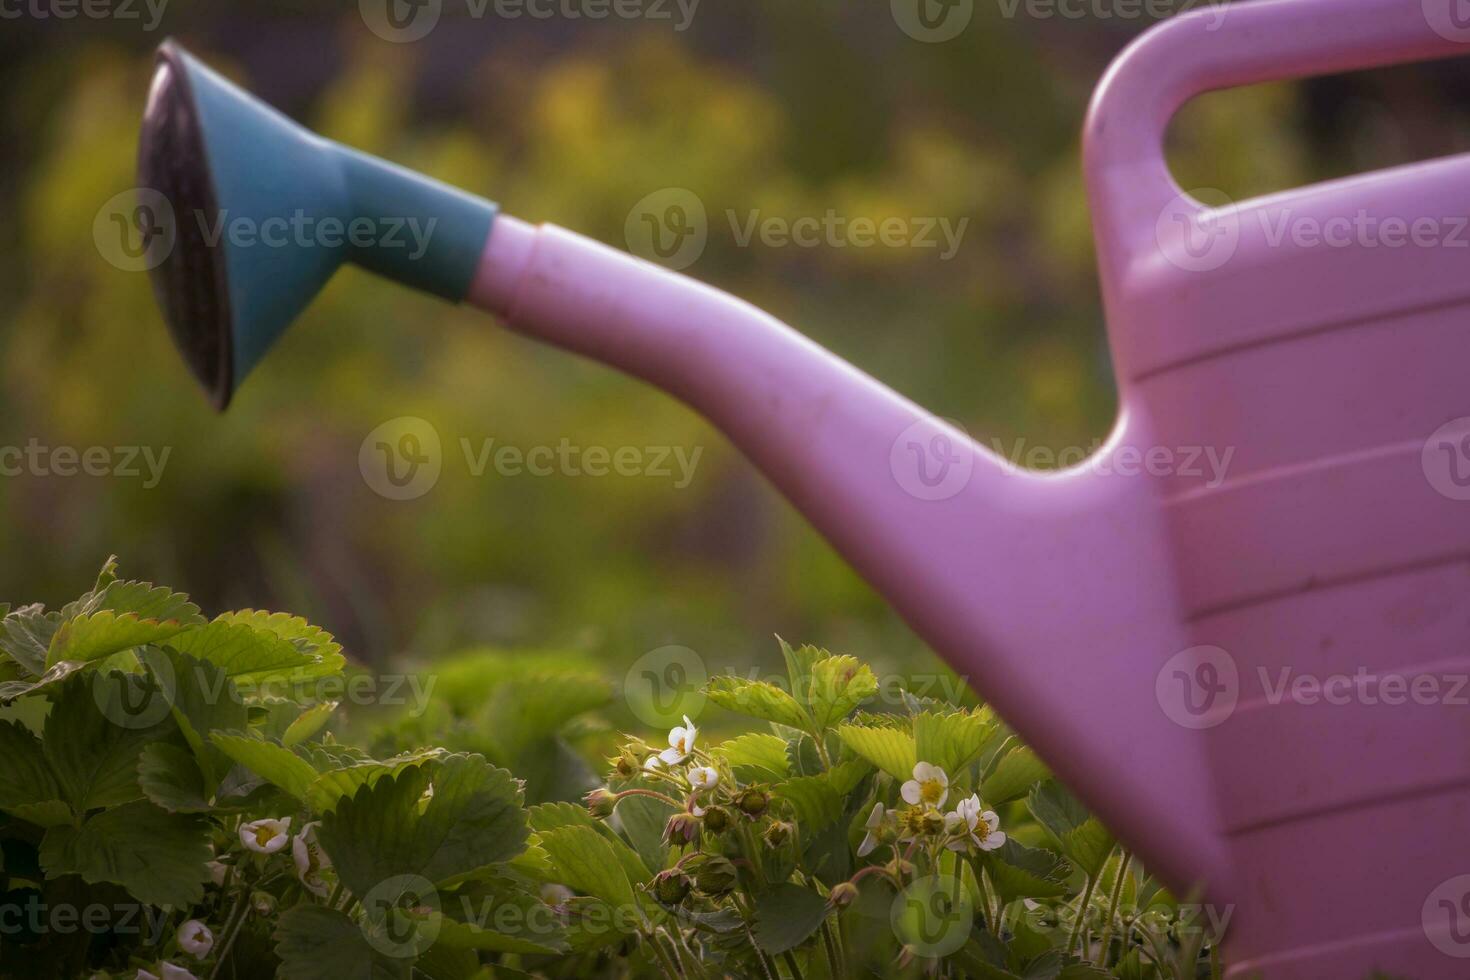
x,y
626,763
753,801
778,833
842,895
600,803
715,875
671,887
717,820
682,828
933,823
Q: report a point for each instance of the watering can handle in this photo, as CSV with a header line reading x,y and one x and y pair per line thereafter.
x,y
1241,43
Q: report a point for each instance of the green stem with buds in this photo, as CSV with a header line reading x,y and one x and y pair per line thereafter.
x,y
1113,907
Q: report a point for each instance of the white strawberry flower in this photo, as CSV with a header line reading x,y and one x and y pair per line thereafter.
x,y
267,835
976,827
195,939
704,777
681,742
310,859
873,826
652,763
168,971
929,787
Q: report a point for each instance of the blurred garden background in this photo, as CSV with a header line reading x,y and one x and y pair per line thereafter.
x,y
788,108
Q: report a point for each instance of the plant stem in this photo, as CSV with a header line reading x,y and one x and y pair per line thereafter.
x,y
834,958
791,962
990,922
667,965
1107,934
655,794
1082,909
232,928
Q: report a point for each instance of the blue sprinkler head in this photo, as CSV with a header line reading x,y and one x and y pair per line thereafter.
x,y
264,211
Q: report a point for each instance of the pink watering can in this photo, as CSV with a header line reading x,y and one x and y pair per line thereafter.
x,y
1256,677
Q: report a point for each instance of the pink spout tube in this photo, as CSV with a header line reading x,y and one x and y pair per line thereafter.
x,y
1045,591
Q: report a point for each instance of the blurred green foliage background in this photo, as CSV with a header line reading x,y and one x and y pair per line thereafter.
x,y
792,108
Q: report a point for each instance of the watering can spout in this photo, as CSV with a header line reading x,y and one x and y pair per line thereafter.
x,y
1051,593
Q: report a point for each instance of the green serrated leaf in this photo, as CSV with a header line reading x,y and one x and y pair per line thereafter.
x,y
25,635
13,689
25,777
1081,836
501,913
332,786
585,861
1088,845
313,639
816,804
252,656
318,943
755,756
787,915
274,763
159,857
144,600
308,723
838,686
1018,871
643,819
1013,777
890,749
103,633
97,727
757,699
170,778
472,819
1056,809
951,740
799,663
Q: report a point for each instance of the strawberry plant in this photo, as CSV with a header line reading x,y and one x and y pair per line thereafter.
x,y
176,802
